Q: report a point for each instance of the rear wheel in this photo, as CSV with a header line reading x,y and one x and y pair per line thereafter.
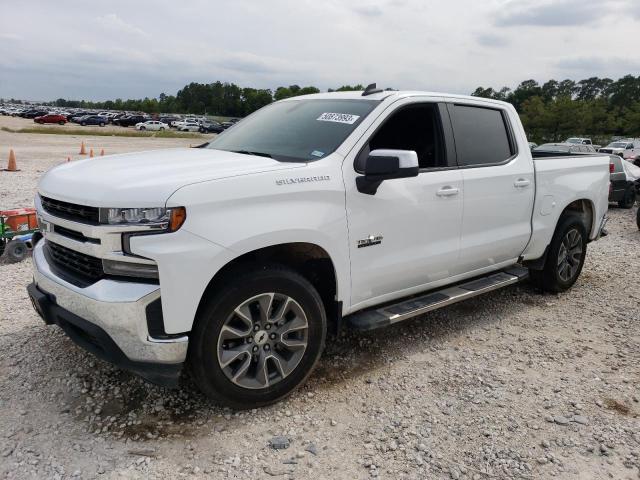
x,y
565,256
61,123
143,128
629,198
162,129
258,338
84,124
16,250
101,124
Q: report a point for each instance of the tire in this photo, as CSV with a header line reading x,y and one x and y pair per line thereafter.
x,y
201,130
16,250
3,244
638,218
161,129
629,198
267,285
101,124
61,123
84,124
558,276
143,128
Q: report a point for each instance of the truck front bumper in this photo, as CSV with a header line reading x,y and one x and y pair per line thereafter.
x,y
109,319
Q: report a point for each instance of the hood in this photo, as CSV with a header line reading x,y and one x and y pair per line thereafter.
x,y
147,179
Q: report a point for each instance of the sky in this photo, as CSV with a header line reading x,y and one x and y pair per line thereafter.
x,y
132,49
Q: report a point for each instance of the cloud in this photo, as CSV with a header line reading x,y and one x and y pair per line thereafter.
x,y
613,66
113,22
10,36
559,13
368,10
491,40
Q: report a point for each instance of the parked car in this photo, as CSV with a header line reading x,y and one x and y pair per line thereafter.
x,y
237,257
629,148
210,127
572,148
130,120
169,119
152,125
92,120
34,113
76,116
188,125
579,141
51,118
623,179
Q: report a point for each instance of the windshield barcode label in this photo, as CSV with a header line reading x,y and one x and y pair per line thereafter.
x,y
339,118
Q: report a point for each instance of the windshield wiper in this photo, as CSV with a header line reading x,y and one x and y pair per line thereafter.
x,y
248,152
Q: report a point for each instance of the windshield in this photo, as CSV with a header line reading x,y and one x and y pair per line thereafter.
x,y
618,145
295,130
574,140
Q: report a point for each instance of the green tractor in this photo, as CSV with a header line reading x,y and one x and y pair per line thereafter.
x,y
18,233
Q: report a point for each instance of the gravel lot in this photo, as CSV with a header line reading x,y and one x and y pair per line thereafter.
x,y
510,385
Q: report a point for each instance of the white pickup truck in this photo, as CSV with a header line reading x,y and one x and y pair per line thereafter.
x,y
359,208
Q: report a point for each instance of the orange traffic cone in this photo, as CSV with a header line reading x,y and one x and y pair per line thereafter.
x,y
91,153
102,152
82,149
11,166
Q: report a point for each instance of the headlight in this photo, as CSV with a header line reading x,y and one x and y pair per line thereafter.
x,y
162,218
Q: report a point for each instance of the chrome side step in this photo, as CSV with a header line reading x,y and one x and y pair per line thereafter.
x,y
397,312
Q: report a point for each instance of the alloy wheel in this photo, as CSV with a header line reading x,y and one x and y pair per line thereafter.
x,y
263,340
570,255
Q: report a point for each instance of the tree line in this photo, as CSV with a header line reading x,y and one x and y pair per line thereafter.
x,y
597,107
218,98
600,108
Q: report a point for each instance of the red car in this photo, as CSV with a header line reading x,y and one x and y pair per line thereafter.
x,y
51,118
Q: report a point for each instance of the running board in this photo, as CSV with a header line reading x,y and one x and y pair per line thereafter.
x,y
397,312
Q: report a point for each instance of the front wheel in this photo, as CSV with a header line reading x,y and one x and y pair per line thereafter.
x,y
162,129
61,123
142,128
258,338
565,256
84,124
101,124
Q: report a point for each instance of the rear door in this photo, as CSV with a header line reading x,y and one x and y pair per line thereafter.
x,y
498,182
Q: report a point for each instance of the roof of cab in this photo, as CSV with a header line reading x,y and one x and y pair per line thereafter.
x,y
385,94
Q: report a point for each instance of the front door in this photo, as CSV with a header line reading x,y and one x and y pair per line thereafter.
x,y
406,236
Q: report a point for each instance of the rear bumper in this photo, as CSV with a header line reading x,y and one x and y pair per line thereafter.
x,y
109,319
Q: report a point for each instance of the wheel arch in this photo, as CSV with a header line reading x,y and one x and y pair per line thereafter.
x,y
310,260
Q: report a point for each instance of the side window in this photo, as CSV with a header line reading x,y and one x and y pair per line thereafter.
x,y
414,127
481,135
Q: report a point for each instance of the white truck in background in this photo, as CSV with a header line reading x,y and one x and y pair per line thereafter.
x,y
365,208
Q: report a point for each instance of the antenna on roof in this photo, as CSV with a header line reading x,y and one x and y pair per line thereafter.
x,y
371,89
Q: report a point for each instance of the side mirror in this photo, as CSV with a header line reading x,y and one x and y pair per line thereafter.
x,y
383,165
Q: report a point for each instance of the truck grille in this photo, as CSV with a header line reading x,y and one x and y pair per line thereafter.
x,y
71,211
74,263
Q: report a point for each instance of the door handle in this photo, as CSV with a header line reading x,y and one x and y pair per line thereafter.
x,y
521,183
447,191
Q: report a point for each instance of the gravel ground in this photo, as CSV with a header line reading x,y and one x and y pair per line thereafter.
x,y
510,385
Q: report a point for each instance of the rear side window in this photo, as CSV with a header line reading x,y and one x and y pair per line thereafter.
x,y
481,135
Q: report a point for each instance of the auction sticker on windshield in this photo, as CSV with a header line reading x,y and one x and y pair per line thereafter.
x,y
339,118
